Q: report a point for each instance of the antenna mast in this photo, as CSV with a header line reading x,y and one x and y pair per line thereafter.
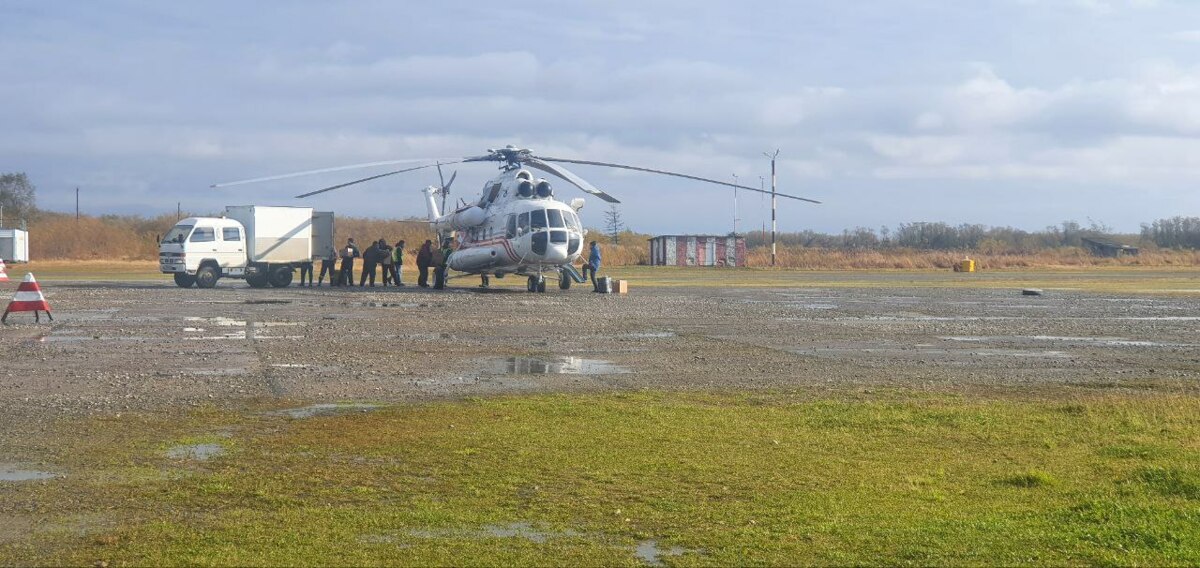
x,y
735,207
773,202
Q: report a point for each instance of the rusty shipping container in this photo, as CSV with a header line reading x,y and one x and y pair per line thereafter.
x,y
697,250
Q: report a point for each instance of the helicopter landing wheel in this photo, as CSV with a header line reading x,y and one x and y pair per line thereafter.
x,y
537,283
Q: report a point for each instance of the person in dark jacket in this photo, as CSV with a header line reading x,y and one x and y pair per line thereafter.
x,y
370,264
397,262
441,261
348,254
386,263
306,269
424,260
328,266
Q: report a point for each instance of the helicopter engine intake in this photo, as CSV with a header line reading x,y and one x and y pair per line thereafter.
x,y
462,219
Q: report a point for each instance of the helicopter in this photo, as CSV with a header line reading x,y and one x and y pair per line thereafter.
x,y
517,226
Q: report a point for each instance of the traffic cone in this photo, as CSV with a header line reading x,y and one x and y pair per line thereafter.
x,y
29,298
3,271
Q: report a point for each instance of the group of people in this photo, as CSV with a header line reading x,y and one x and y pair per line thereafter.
x,y
390,259
379,257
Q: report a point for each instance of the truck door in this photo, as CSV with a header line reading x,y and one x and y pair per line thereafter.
x,y
322,233
231,250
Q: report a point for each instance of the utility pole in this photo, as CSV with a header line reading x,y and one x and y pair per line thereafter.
x,y
77,205
735,209
178,210
773,203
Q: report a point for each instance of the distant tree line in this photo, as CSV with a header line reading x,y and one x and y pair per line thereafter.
x,y
1177,232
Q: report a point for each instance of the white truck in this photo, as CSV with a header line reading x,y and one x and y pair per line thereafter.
x,y
262,244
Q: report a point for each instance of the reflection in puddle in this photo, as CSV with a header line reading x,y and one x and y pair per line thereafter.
x,y
200,452
557,366
390,305
83,338
648,551
313,410
11,472
651,335
250,329
232,371
1105,341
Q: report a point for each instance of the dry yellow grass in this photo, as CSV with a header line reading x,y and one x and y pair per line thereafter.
x,y
61,237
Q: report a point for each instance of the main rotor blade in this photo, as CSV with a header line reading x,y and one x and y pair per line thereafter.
x,y
453,175
320,171
575,180
357,181
440,177
676,174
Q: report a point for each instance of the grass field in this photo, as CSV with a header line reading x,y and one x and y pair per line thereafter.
x,y
1184,281
1073,477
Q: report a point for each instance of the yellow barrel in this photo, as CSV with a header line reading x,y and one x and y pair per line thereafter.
x,y
966,265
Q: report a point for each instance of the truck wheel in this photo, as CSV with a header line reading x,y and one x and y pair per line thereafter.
x,y
258,281
184,280
207,277
564,280
281,276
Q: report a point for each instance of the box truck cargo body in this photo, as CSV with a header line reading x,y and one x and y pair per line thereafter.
x,y
262,244
14,245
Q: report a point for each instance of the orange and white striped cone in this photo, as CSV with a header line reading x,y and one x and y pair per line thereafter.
x,y
29,298
3,271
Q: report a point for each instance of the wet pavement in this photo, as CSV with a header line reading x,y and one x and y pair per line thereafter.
x,y
114,347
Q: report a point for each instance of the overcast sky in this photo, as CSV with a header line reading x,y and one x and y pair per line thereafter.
x,y
1004,112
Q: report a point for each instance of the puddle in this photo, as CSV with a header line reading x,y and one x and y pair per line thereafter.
x,y
199,452
556,366
648,551
391,305
268,302
250,329
813,306
1104,341
651,335
233,371
314,410
512,530
291,365
83,338
12,472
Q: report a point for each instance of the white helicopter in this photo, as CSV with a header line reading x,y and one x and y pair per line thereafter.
x,y
517,226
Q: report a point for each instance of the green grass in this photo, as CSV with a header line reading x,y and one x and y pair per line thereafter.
x,y
1174,281
780,478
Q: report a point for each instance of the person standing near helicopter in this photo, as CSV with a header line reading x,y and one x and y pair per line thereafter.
x,y
424,260
442,262
397,262
593,264
349,253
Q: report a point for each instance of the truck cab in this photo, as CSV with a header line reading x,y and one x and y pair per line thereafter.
x,y
199,250
261,243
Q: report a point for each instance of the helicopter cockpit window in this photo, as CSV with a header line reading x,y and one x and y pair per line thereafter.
x,y
523,224
556,218
494,193
512,227
571,219
537,219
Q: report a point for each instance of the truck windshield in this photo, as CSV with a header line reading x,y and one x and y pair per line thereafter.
x,y
177,234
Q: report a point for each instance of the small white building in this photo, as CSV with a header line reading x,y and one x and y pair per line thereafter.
x,y
14,245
